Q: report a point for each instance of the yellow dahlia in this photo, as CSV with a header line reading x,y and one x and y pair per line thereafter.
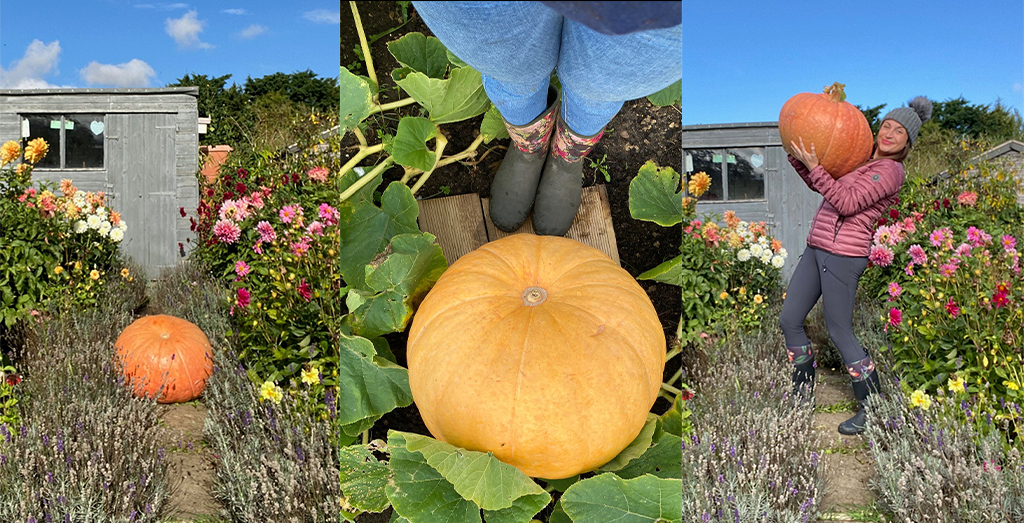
x,y
9,152
36,150
699,183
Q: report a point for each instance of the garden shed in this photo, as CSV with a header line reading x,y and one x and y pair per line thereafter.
x,y
1009,156
139,146
751,176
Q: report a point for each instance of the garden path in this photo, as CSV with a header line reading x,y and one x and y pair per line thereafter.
x,y
849,467
191,464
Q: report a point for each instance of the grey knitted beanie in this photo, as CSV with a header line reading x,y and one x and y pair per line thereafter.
x,y
919,111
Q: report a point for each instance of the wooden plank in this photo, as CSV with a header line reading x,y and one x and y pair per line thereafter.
x,y
456,221
592,226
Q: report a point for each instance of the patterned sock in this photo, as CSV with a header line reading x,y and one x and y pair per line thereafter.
x,y
860,370
800,355
570,146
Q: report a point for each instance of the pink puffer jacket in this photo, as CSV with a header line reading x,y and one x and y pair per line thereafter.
x,y
852,204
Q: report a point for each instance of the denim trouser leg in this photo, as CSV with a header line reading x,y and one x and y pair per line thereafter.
x,y
516,46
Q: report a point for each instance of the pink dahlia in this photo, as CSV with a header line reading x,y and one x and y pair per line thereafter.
x,y
266,231
227,231
917,255
880,255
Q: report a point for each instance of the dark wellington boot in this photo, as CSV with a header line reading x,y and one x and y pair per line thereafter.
x,y
515,184
804,367
861,390
561,186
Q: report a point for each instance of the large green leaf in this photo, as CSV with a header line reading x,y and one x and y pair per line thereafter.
x,y
356,99
421,494
672,421
478,476
663,459
670,95
459,97
424,54
363,478
367,229
656,196
635,449
401,275
670,272
493,126
608,498
369,386
410,146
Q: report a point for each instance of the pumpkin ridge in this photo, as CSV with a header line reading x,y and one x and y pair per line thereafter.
x,y
575,268
633,290
532,312
611,328
588,441
435,314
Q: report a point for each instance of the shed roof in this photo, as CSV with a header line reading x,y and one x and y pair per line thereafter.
x,y
194,91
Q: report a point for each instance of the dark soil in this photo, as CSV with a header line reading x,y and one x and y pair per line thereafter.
x,y
640,132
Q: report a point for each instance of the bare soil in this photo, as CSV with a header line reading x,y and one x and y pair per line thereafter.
x,y
191,464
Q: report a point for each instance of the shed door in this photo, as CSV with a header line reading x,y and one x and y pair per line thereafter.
x,y
140,155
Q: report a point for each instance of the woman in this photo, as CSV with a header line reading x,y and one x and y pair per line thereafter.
x,y
837,250
604,52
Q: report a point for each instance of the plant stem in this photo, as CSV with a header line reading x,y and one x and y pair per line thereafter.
x,y
677,375
393,105
669,388
439,143
366,47
673,353
363,153
359,136
365,179
366,437
470,151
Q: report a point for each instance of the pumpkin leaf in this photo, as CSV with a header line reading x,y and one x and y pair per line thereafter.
x,y
663,459
456,61
410,146
493,126
424,54
456,98
559,515
608,498
367,229
672,421
353,430
670,272
562,484
402,275
363,478
420,493
367,389
670,95
655,195
356,99
635,449
478,476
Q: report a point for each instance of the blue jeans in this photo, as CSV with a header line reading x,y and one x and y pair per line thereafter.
x,y
516,46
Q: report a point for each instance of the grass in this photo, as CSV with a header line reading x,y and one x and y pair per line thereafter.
x,y
844,448
834,408
862,513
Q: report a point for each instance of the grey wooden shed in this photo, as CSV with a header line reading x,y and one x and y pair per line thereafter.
x,y
140,146
751,176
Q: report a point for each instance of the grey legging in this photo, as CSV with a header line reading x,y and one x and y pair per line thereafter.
x,y
834,279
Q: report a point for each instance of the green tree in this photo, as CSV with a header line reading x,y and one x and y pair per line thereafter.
x,y
873,114
302,87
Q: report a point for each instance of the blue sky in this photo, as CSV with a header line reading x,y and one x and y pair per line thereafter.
x,y
742,59
141,43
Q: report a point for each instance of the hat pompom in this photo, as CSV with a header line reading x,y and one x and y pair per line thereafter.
x,y
922,106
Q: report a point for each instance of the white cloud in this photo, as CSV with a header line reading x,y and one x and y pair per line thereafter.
x,y
27,73
323,16
185,31
252,31
135,73
234,11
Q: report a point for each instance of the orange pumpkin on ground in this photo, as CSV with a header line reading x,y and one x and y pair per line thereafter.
x,y
839,131
164,351
539,349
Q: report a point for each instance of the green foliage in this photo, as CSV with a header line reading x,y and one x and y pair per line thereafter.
x,y
960,118
671,95
608,498
873,115
9,411
955,312
43,255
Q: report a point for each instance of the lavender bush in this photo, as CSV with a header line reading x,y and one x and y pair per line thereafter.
x,y
86,449
751,456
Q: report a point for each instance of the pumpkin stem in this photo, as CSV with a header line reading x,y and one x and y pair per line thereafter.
x,y
534,296
835,92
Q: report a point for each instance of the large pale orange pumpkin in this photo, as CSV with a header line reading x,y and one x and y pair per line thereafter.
x,y
164,351
539,349
839,131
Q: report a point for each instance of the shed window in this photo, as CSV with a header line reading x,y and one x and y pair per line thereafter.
x,y
76,140
736,173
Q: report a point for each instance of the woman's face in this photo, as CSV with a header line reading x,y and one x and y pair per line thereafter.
x,y
892,138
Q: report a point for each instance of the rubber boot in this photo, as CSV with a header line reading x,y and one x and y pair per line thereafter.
x,y
861,390
515,184
561,186
804,370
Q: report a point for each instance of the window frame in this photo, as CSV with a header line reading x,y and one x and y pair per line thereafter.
x,y
61,146
724,168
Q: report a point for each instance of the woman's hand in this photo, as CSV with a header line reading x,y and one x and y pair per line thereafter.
x,y
809,158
